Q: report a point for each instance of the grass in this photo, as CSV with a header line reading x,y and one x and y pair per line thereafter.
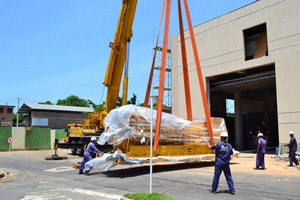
x,y
147,196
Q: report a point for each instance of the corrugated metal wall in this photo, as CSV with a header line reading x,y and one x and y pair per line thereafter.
x,y
5,133
29,138
60,133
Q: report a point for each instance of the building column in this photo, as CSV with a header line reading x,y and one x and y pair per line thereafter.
x,y
238,120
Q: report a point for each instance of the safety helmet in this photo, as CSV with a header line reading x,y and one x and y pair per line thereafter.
x,y
291,132
93,138
224,134
260,135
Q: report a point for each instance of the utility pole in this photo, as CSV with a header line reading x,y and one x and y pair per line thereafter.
x,y
18,113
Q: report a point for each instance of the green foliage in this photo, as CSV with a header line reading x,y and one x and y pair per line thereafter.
x,y
155,105
96,107
119,102
148,196
73,101
20,117
132,100
230,115
46,102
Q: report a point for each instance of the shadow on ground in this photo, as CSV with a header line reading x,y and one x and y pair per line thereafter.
x,y
142,170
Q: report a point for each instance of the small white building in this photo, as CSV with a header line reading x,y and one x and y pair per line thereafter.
x,y
249,57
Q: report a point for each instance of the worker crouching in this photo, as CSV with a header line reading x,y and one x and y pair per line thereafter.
x,y
88,155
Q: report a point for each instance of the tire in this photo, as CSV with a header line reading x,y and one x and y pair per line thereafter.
x,y
74,151
1,174
80,152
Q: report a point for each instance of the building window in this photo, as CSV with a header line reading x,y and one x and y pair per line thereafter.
x,y
9,110
230,108
256,42
1,110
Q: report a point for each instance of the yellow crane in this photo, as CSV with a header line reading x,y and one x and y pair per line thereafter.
x,y
79,134
114,73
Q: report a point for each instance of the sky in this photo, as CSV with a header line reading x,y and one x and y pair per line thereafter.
x,y
51,49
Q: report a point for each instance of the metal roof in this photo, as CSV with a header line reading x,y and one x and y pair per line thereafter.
x,y
27,107
7,106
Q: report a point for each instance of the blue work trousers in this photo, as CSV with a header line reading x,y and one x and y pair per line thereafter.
x,y
260,160
85,159
292,157
227,173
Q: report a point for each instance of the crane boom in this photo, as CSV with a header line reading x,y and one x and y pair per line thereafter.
x,y
118,53
79,134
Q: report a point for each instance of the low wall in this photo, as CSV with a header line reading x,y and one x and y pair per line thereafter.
x,y
5,133
18,135
29,138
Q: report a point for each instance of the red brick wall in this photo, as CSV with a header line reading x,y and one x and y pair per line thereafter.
x,y
6,116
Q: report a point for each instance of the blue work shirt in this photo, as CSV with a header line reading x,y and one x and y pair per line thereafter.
x,y
293,144
223,153
263,145
91,150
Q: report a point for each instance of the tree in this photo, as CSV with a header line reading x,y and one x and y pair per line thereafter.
x,y
73,100
20,118
96,107
46,102
132,100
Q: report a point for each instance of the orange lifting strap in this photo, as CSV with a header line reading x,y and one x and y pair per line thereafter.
x,y
162,74
147,96
185,72
185,67
199,73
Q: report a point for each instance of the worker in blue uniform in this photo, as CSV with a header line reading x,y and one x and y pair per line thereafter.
x,y
88,155
292,149
261,151
223,151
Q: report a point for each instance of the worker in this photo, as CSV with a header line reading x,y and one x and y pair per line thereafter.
x,y
223,151
89,153
292,149
261,151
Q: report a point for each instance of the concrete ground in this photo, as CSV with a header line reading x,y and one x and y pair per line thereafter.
x,y
275,165
168,179
244,162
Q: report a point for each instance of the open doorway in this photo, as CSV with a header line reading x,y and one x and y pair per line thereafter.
x,y
247,101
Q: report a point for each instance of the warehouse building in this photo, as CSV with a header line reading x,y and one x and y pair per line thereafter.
x,y
52,116
249,59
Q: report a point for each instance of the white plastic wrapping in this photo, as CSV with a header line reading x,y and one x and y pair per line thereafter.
x,y
133,122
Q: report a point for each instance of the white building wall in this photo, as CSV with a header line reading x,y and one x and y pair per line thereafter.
x,y
18,135
52,137
221,50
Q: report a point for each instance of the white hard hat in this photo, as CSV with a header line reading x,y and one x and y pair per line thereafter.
x,y
291,132
93,138
260,135
224,134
